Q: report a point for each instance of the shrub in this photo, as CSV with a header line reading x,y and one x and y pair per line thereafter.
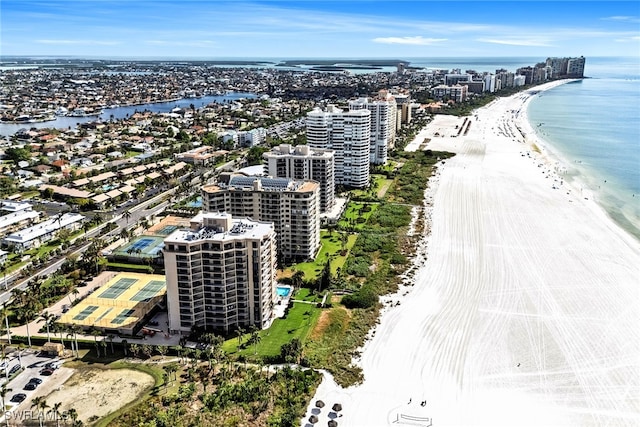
x,y
365,297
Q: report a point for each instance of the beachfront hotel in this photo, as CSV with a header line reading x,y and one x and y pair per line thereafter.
x,y
220,274
384,113
293,206
304,162
348,134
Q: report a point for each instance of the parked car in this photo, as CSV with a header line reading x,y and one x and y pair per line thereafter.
x,y
30,386
18,397
14,369
35,380
53,365
46,372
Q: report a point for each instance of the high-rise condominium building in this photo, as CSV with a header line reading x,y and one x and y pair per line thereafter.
x,y
220,274
575,67
348,135
304,162
403,104
569,67
293,206
383,124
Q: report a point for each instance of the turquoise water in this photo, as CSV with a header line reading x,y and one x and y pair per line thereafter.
x,y
594,125
283,291
195,203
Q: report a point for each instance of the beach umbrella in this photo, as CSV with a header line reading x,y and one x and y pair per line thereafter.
x,y
319,404
337,407
313,419
332,423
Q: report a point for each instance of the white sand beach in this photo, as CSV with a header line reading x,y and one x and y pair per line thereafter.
x,y
524,309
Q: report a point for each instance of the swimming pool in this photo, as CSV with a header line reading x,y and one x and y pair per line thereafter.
x,y
283,291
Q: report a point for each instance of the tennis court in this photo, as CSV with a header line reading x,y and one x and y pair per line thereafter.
x,y
118,288
120,318
141,247
166,230
167,226
120,304
149,291
86,312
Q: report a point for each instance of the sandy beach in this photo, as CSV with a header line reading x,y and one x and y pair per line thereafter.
x,y
523,308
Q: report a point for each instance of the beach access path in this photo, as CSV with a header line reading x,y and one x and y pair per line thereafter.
x,y
524,308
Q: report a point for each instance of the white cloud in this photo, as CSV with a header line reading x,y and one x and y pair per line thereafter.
x,y
417,40
78,42
193,43
628,39
516,42
621,18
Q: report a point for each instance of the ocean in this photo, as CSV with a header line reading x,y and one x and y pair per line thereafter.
x,y
594,126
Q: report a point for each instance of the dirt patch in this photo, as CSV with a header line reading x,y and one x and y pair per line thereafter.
x,y
100,391
383,190
323,322
284,274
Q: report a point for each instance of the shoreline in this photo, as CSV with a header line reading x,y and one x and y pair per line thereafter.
x,y
507,316
577,182
582,178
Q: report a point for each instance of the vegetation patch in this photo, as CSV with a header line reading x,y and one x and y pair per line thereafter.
x,y
356,215
335,248
298,321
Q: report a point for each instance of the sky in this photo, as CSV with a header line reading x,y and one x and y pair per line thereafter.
x,y
313,29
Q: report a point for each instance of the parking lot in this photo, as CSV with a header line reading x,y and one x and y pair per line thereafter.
x,y
33,364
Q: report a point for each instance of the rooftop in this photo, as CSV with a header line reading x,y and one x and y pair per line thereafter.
x,y
238,229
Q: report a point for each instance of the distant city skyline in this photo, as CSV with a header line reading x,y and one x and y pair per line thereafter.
x,y
311,29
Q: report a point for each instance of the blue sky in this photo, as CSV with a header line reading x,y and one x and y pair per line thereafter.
x,y
295,29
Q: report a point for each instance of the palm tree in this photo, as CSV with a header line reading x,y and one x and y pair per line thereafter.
x,y
4,269
3,392
124,234
58,328
126,215
240,331
297,278
5,313
40,403
73,414
135,349
147,350
74,329
162,350
48,319
56,412
96,333
255,338
73,289
28,315
110,337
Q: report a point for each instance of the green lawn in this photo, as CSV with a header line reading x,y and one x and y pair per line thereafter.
x,y
356,215
305,294
299,322
331,247
378,182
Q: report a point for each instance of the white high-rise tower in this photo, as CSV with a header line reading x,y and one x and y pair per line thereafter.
x,y
383,124
348,135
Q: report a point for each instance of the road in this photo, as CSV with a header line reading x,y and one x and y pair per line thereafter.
x,y
137,212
